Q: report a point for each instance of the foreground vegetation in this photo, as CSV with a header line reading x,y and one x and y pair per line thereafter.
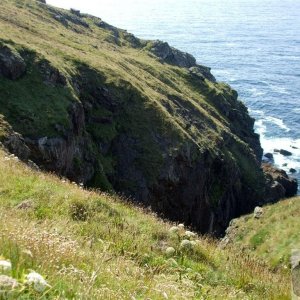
x,y
273,236
89,245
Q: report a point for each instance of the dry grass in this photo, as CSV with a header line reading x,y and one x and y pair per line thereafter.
x,y
117,251
274,235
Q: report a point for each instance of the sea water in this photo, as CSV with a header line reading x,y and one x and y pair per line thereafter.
x,y
254,45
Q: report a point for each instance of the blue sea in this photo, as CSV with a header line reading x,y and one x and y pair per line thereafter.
x,y
254,45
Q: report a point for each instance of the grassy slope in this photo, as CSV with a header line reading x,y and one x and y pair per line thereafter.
x,y
274,235
28,25
132,75
73,233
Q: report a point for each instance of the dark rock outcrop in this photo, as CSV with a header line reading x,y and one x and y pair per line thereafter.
x,y
13,141
179,58
202,72
269,156
68,18
51,75
66,155
285,152
75,12
274,191
12,65
279,184
172,55
204,188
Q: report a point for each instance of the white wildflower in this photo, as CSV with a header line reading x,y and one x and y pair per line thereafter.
x,y
193,243
37,281
172,262
174,229
5,266
189,234
170,251
181,226
7,283
186,244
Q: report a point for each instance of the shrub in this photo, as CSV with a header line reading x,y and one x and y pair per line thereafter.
x,y
79,211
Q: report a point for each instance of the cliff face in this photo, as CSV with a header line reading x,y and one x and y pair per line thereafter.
x,y
97,105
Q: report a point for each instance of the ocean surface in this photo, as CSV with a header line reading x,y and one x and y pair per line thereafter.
x,y
253,45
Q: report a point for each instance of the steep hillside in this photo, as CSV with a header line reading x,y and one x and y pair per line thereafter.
x,y
273,235
95,104
89,245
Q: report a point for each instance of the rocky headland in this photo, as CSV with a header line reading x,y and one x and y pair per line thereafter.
x,y
101,107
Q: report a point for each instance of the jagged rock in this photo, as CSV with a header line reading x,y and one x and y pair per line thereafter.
x,y
12,65
41,1
75,12
66,155
33,165
285,152
61,19
13,141
25,205
277,191
51,75
176,57
269,156
172,55
67,17
295,281
202,72
292,170
258,211
273,174
295,258
295,264
230,234
134,41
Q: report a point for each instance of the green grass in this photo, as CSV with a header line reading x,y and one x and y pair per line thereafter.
x,y
90,245
274,235
118,67
148,100
34,108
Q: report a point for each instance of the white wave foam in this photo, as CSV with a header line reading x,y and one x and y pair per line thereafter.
x,y
279,89
297,110
260,127
277,122
256,93
256,112
289,144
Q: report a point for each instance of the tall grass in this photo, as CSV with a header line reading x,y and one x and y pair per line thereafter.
x,y
90,245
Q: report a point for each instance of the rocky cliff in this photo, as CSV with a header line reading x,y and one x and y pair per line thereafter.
x,y
91,102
